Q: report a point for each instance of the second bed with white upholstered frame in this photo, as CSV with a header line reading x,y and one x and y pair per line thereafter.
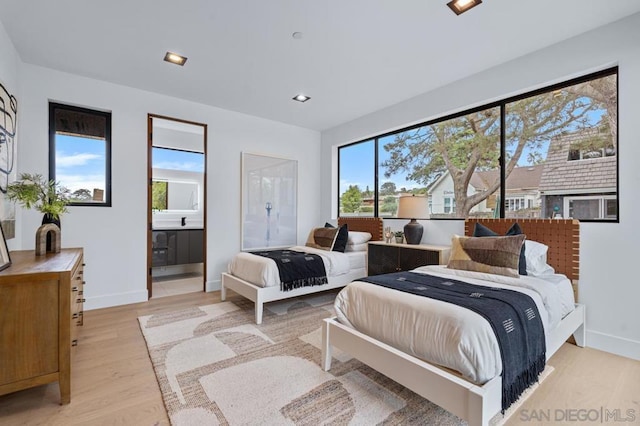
x,y
476,403
261,294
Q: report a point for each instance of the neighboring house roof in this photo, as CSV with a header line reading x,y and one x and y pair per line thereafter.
x,y
520,178
578,176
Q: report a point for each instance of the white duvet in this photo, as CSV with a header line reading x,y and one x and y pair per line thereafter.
x,y
442,333
263,271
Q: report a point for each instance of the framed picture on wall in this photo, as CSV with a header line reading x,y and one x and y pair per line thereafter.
x,y
5,259
269,202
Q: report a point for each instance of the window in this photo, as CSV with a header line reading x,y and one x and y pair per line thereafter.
x,y
513,158
449,205
80,153
589,207
357,179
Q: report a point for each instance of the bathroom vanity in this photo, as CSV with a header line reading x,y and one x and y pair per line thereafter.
x,y
177,246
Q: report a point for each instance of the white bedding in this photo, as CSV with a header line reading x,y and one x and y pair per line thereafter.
x,y
263,271
442,333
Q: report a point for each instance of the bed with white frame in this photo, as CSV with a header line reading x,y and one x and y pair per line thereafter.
x,y
477,404
264,294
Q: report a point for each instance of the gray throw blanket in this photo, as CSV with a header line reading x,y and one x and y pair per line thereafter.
x,y
513,316
297,269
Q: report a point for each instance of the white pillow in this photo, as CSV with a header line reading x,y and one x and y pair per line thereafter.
x,y
356,247
356,237
536,257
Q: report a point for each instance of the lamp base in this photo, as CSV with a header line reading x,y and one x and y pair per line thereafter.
x,y
413,232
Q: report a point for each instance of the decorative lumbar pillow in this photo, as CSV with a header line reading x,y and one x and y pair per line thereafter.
x,y
342,237
482,231
323,238
493,255
356,237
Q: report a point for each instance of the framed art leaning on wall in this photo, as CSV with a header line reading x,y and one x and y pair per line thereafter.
x,y
5,259
269,202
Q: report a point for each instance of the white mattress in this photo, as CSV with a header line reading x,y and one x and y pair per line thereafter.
x,y
263,271
442,333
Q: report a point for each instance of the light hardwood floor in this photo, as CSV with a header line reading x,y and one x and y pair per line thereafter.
x,y
113,382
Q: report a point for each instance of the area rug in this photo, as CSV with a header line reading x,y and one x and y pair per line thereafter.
x,y
215,366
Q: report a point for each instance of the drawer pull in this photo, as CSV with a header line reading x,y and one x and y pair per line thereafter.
x,y
74,288
74,342
84,264
81,313
79,323
80,293
84,282
75,315
80,300
78,278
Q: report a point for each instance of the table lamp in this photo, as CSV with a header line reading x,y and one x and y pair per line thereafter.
x,y
413,207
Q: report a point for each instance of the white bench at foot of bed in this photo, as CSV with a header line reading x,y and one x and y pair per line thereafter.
x,y
477,404
261,295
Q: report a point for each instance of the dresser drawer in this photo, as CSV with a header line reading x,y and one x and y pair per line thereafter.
x,y
77,300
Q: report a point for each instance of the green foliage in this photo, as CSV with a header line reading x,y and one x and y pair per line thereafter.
x,y
351,199
399,234
366,209
81,195
389,205
159,195
33,191
387,188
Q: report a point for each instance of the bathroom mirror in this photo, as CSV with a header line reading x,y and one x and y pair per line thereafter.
x,y
172,195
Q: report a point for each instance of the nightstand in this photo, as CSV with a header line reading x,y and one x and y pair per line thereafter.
x,y
385,258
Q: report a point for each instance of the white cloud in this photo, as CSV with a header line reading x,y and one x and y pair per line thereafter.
x,y
75,159
75,182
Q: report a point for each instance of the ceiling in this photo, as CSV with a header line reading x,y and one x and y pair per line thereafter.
x,y
355,56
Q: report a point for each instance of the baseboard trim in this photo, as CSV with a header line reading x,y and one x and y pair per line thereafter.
x,y
110,300
214,285
616,345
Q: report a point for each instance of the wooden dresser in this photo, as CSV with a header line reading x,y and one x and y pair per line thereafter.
x,y
41,301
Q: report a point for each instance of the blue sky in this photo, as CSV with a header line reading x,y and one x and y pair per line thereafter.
x,y
80,162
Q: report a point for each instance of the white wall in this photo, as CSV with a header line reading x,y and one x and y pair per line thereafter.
x,y
9,61
608,276
114,238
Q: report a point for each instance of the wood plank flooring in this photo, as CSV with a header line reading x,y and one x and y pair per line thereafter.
x,y
113,382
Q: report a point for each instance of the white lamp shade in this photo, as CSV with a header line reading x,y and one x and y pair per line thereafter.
x,y
413,207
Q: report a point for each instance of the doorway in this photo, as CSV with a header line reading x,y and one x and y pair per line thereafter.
x,y
176,206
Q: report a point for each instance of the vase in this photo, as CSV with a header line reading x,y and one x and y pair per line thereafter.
x,y
47,218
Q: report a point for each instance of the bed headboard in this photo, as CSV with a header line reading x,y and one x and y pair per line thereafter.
x,y
372,225
561,235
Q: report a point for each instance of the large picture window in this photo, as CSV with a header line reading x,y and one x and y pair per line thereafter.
x,y
80,153
551,153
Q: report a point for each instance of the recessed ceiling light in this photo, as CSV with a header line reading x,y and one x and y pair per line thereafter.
x,y
301,98
297,35
461,6
174,58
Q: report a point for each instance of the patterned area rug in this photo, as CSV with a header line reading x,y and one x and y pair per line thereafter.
x,y
215,366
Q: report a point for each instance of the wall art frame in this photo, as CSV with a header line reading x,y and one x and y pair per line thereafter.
x,y
269,202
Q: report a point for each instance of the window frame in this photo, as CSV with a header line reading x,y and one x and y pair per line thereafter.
x,y
502,105
53,107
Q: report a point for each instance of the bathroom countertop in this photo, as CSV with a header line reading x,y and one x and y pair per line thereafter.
x,y
178,228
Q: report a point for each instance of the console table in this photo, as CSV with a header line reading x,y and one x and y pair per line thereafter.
x,y
41,299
